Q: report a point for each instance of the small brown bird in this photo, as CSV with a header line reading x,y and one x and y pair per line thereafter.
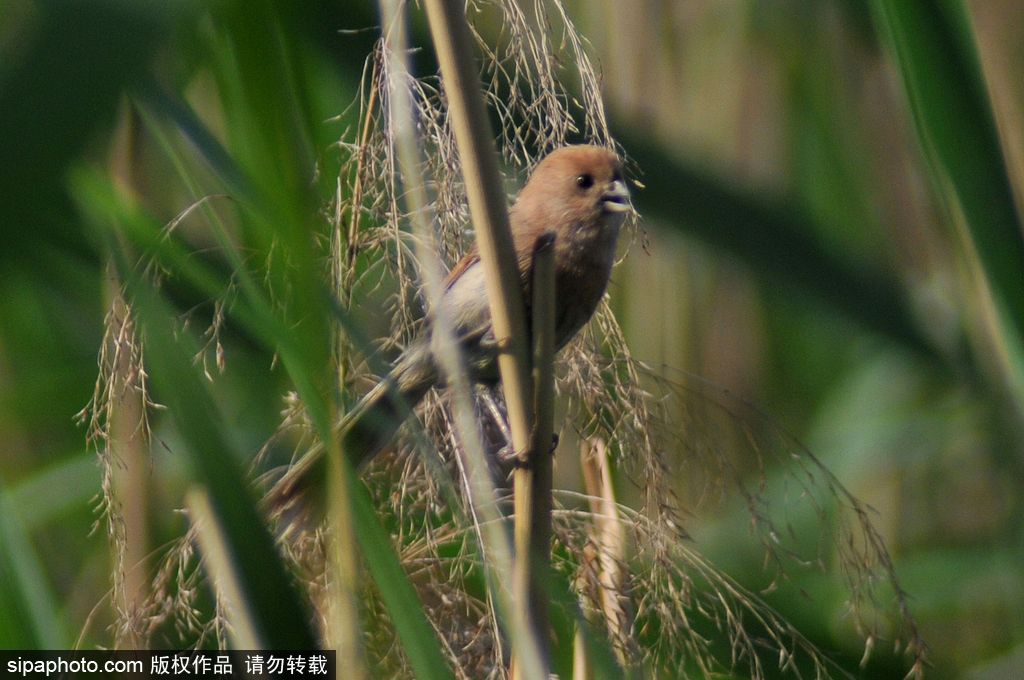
x,y
576,192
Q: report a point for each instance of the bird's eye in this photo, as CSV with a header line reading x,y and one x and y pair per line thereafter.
x,y
585,181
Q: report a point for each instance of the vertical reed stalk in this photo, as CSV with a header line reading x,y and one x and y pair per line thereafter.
x,y
221,564
130,475
609,541
344,631
489,212
533,480
487,206
127,442
581,669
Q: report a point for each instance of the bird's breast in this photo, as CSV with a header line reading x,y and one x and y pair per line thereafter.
x,y
582,270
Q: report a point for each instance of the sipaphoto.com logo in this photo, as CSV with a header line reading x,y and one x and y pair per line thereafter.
x,y
72,665
201,664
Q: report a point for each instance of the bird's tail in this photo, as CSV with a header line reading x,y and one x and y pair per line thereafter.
x,y
372,423
366,429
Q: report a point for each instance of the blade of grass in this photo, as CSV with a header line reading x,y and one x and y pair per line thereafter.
x,y
265,103
935,56
30,619
418,639
61,488
221,565
153,100
270,129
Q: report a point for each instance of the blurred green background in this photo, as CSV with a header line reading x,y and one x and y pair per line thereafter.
x,y
831,196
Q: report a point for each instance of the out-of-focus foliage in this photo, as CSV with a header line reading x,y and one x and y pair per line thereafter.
x,y
802,255
805,104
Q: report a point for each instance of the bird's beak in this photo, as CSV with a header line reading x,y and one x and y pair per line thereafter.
x,y
616,197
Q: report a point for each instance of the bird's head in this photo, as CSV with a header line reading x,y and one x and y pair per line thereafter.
x,y
575,187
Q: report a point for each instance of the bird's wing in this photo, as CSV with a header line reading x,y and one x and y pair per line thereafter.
x,y
467,261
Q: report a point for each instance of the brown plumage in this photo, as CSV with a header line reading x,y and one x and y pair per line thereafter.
x,y
578,193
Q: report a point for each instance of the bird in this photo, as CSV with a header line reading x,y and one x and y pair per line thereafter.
x,y
578,194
